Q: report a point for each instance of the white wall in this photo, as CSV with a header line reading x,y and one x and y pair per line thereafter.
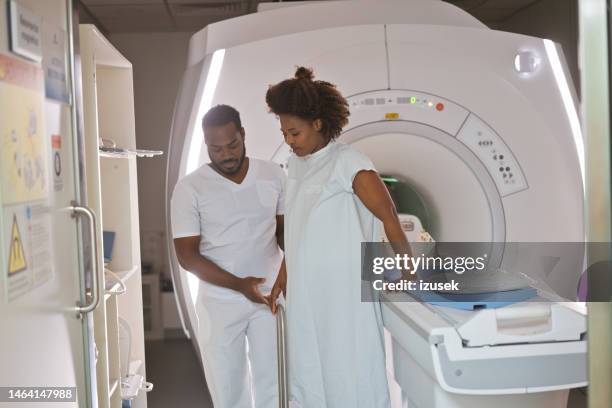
x,y
158,61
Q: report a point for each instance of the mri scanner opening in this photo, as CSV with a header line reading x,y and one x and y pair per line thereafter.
x,y
452,204
408,200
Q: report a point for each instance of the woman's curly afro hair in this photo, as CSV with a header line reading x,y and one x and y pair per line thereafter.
x,y
308,99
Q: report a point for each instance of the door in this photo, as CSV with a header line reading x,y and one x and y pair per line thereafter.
x,y
44,236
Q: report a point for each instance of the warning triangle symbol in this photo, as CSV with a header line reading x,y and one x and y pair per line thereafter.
x,y
17,260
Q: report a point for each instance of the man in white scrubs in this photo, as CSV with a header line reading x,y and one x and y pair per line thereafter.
x,y
227,225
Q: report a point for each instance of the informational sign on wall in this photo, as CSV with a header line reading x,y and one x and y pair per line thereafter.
x,y
25,32
25,225
23,156
54,64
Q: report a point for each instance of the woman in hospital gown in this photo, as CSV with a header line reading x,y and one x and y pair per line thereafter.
x,y
333,197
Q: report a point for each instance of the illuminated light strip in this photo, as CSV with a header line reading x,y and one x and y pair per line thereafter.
x,y
195,147
193,282
568,102
209,91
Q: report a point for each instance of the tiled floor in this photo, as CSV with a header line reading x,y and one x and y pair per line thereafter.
x,y
173,368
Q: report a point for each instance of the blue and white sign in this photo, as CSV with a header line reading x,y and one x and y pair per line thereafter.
x,y
54,64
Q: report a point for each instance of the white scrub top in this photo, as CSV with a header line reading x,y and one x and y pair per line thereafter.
x,y
335,341
236,222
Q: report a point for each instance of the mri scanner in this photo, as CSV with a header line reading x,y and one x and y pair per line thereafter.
x,y
478,126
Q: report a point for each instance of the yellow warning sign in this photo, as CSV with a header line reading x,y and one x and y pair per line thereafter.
x,y
17,260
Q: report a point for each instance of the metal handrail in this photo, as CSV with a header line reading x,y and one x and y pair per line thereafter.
x,y
281,344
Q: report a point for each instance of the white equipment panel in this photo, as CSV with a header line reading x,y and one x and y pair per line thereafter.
x,y
493,152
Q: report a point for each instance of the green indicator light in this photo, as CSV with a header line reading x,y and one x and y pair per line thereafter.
x,y
413,99
390,180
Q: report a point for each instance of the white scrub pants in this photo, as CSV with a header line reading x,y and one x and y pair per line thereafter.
x,y
237,378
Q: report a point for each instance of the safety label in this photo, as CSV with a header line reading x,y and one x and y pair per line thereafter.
x,y
26,248
17,258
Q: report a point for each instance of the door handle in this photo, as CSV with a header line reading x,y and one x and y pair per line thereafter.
x,y
78,210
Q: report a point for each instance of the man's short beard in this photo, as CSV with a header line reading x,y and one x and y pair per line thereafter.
x,y
238,167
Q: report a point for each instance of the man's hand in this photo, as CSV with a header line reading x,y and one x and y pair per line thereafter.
x,y
249,287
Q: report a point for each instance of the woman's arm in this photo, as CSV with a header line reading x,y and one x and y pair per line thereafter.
x,y
373,193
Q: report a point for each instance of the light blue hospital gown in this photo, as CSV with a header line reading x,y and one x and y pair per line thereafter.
x,y
335,341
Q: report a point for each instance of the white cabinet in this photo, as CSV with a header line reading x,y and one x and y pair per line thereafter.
x,y
108,114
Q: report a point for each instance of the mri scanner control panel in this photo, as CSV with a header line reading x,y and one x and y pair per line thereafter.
x,y
407,105
494,154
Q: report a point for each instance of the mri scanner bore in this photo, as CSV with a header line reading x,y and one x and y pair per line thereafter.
x,y
475,132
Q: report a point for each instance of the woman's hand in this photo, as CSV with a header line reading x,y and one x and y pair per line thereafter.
x,y
279,286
